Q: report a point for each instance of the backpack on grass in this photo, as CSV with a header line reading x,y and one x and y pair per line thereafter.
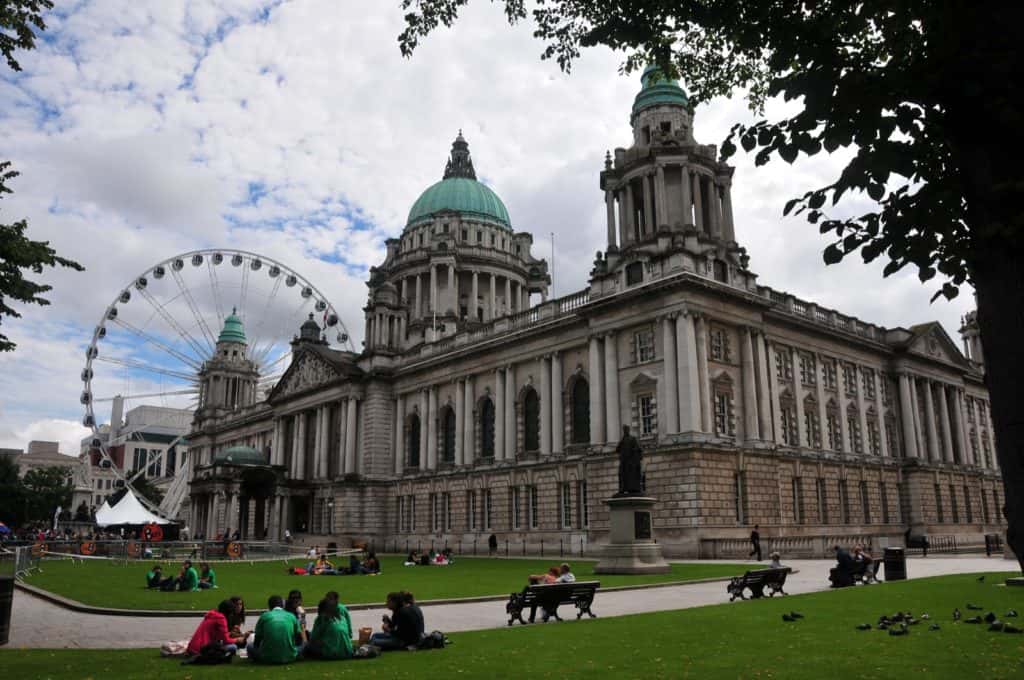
x,y
434,640
211,654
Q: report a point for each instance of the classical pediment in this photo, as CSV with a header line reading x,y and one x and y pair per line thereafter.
x,y
306,372
930,340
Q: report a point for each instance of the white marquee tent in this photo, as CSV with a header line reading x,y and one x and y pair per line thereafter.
x,y
127,511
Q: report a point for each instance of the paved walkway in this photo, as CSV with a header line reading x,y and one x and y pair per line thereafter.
x,y
37,623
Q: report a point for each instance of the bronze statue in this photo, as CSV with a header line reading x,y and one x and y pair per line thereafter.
x,y
630,469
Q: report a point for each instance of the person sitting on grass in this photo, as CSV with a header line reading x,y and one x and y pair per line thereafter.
x,y
208,579
189,579
275,636
371,565
334,597
236,619
323,567
293,605
401,629
331,637
154,577
413,559
214,630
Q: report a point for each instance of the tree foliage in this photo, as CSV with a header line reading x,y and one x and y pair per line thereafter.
x,y
19,19
46,489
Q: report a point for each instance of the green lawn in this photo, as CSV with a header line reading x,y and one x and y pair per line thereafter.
x,y
738,640
112,584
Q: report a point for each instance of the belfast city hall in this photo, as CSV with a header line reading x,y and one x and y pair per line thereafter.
x,y
479,405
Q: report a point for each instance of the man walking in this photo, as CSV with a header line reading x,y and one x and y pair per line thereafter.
x,y
755,542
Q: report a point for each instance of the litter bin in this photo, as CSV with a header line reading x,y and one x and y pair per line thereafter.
x,y
6,600
895,560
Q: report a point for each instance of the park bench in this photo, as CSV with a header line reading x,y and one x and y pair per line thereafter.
x,y
550,596
756,581
918,542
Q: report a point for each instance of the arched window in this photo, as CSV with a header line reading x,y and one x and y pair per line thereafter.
x,y
580,406
487,428
812,422
835,435
413,445
853,427
448,435
787,420
531,420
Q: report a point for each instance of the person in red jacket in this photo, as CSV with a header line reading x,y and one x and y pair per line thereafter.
x,y
214,628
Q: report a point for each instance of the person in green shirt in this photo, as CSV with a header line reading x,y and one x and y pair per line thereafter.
x,y
208,578
332,633
154,577
275,635
189,578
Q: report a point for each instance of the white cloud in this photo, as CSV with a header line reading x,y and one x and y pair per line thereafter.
x,y
145,129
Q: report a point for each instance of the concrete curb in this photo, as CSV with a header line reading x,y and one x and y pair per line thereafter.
x,y
77,606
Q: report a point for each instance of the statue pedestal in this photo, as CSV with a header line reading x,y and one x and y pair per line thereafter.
x,y
631,548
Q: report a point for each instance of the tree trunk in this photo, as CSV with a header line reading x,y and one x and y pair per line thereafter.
x,y
999,281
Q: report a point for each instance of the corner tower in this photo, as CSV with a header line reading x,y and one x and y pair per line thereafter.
x,y
668,198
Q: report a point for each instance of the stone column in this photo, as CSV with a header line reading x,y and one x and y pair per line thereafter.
x,y
474,303
609,204
468,433
822,401
275,446
947,430
883,441
798,399
400,435
451,289
843,403
510,412
342,436
499,414
433,289
750,430
671,371
713,215
460,423
764,409
991,435
405,290
728,226
300,451
979,460
418,309
623,229
959,424
907,417
934,446
773,390
630,214
703,384
611,387
273,518
862,410
214,519
698,204
494,298
432,428
686,181
557,419
645,181
919,427
545,406
526,296
597,434
688,373
508,295
661,214
318,448
351,448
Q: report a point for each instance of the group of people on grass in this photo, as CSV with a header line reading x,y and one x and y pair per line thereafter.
x,y
428,559
188,578
320,565
281,635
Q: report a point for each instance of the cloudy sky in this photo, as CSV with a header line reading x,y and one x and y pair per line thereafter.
x,y
296,129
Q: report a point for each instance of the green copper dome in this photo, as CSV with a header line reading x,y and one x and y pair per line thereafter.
x,y
241,455
462,195
658,90
233,330
459,191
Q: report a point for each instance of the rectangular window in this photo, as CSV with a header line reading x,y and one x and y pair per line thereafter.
x,y
108,483
867,381
514,510
139,460
487,509
444,227
645,407
853,427
953,505
850,380
718,342
534,508
581,498
399,514
725,425
644,342
784,365
465,234
828,373
435,512
787,416
634,273
884,493
798,500
471,510
940,515
740,494
822,501
479,237
446,506
984,506
566,505
812,427
808,371
967,504
492,240
874,437
844,501
865,503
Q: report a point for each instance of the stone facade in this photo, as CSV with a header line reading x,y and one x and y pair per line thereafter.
x,y
479,406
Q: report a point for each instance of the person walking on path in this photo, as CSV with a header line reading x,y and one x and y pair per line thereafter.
x,y
492,544
755,542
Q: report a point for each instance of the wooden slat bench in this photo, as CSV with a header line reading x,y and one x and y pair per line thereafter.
x,y
550,596
756,581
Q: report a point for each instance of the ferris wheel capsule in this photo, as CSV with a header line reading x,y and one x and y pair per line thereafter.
x,y
274,271
125,296
112,313
158,272
88,420
100,332
307,292
86,374
256,264
332,319
178,264
236,260
86,397
197,260
291,280
91,352
141,282
217,258
321,305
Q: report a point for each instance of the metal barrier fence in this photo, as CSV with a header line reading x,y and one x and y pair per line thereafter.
x,y
30,553
563,547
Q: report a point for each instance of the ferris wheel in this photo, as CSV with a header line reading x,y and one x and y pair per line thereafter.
x,y
153,338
